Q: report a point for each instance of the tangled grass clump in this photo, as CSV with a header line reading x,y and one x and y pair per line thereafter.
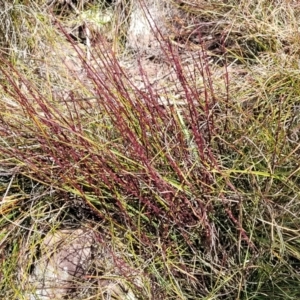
x,y
204,192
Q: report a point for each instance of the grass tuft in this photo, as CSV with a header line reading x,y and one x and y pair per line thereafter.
x,y
192,183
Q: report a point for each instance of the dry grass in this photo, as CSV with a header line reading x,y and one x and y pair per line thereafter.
x,y
201,197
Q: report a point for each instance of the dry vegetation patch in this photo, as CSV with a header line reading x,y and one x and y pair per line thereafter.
x,y
176,143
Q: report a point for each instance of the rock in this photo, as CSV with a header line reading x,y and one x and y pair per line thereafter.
x,y
146,27
75,261
65,257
